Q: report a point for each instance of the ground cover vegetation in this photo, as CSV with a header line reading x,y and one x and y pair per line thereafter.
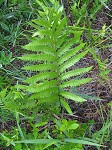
x,y
55,75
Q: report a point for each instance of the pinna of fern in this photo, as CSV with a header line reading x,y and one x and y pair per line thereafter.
x,y
52,54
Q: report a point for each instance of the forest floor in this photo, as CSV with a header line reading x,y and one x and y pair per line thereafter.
x,y
94,109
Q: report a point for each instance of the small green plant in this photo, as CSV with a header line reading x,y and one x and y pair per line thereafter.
x,y
5,60
105,133
59,134
53,52
85,10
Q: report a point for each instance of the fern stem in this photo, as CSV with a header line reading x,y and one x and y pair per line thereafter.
x,y
58,73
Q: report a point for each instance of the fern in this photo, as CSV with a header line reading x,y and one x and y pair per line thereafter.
x,y
52,52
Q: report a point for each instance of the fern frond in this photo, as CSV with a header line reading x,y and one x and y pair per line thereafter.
x,y
42,86
56,21
38,57
43,33
70,54
47,93
41,22
55,53
72,96
51,99
39,41
69,74
60,40
40,48
65,47
42,5
45,98
66,106
41,77
72,61
51,16
22,87
75,83
60,27
41,67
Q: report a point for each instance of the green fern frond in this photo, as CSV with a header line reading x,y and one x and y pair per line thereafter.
x,y
39,48
71,96
43,33
71,53
41,77
40,22
56,21
41,86
38,57
66,47
56,52
46,98
22,87
47,93
66,106
42,5
61,40
75,83
41,67
60,28
72,73
72,61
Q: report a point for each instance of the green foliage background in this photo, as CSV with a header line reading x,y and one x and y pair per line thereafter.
x,y
44,86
